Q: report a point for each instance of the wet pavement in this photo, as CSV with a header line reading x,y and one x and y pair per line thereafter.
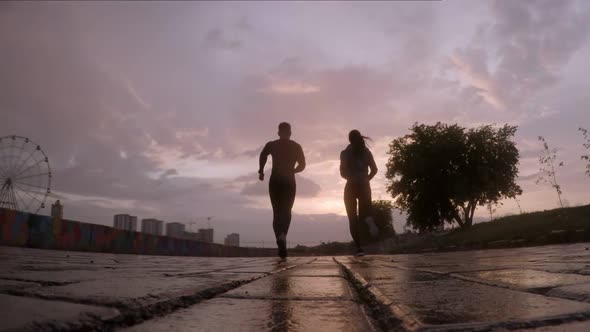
x,y
529,289
545,288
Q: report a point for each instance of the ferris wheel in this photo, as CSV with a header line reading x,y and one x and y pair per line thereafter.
x,y
25,175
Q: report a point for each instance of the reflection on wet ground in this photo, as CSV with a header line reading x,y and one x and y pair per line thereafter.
x,y
309,297
493,290
504,285
280,311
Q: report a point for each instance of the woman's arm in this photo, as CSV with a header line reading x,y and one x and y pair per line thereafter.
x,y
372,166
343,166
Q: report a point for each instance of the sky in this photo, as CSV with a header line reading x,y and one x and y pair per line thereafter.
x,y
160,109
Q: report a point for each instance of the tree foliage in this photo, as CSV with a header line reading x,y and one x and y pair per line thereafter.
x,y
442,172
547,168
381,211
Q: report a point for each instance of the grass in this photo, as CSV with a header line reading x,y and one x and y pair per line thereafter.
x,y
564,225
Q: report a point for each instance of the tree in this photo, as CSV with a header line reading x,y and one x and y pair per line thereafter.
x,y
382,210
441,173
491,207
586,145
518,204
547,163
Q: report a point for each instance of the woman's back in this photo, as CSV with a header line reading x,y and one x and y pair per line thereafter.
x,y
355,163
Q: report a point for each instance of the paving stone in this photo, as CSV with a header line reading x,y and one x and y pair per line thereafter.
x,y
225,314
530,279
301,292
316,270
55,276
127,291
569,327
286,287
21,313
223,276
460,268
579,292
256,269
393,275
456,301
557,267
13,284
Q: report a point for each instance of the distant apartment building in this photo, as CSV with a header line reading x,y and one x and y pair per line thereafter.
x,y
206,234
57,210
152,226
125,221
232,239
191,236
175,229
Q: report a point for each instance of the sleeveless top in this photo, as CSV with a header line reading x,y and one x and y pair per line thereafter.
x,y
354,167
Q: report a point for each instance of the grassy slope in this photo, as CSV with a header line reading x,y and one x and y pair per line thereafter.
x,y
537,228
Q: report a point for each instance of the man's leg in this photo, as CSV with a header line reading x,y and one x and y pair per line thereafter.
x,y
285,203
351,212
274,192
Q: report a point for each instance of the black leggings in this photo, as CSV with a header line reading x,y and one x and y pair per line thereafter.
x,y
282,196
354,191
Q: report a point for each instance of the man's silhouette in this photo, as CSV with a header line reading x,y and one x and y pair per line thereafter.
x,y
281,187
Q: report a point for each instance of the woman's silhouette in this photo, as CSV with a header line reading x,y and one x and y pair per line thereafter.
x,y
358,167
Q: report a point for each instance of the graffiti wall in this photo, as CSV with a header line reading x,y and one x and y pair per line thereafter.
x,y
36,231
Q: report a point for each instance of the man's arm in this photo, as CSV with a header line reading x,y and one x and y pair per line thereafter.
x,y
372,166
262,160
300,161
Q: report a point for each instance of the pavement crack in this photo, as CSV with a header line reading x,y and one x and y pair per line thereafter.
x,y
388,315
43,282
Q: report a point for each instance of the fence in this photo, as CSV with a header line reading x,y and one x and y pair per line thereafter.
x,y
37,231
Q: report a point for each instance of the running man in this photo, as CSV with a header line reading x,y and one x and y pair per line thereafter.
x,y
281,187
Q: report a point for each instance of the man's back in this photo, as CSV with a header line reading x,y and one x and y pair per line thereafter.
x,y
285,153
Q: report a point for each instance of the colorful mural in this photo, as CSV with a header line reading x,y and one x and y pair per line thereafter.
x,y
37,231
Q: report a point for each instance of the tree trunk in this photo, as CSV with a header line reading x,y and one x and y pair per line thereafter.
x,y
469,218
468,212
457,218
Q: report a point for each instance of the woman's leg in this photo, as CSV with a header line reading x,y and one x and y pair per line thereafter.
x,y
365,201
351,206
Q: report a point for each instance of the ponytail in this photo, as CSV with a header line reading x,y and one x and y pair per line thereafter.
x,y
357,141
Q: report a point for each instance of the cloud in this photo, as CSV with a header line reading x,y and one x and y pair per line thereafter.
x,y
168,173
305,187
471,63
529,177
217,39
291,88
523,52
161,118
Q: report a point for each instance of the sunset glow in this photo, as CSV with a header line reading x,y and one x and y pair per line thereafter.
x,y
173,101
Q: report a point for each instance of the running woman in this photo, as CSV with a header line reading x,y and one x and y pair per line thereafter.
x,y
358,167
